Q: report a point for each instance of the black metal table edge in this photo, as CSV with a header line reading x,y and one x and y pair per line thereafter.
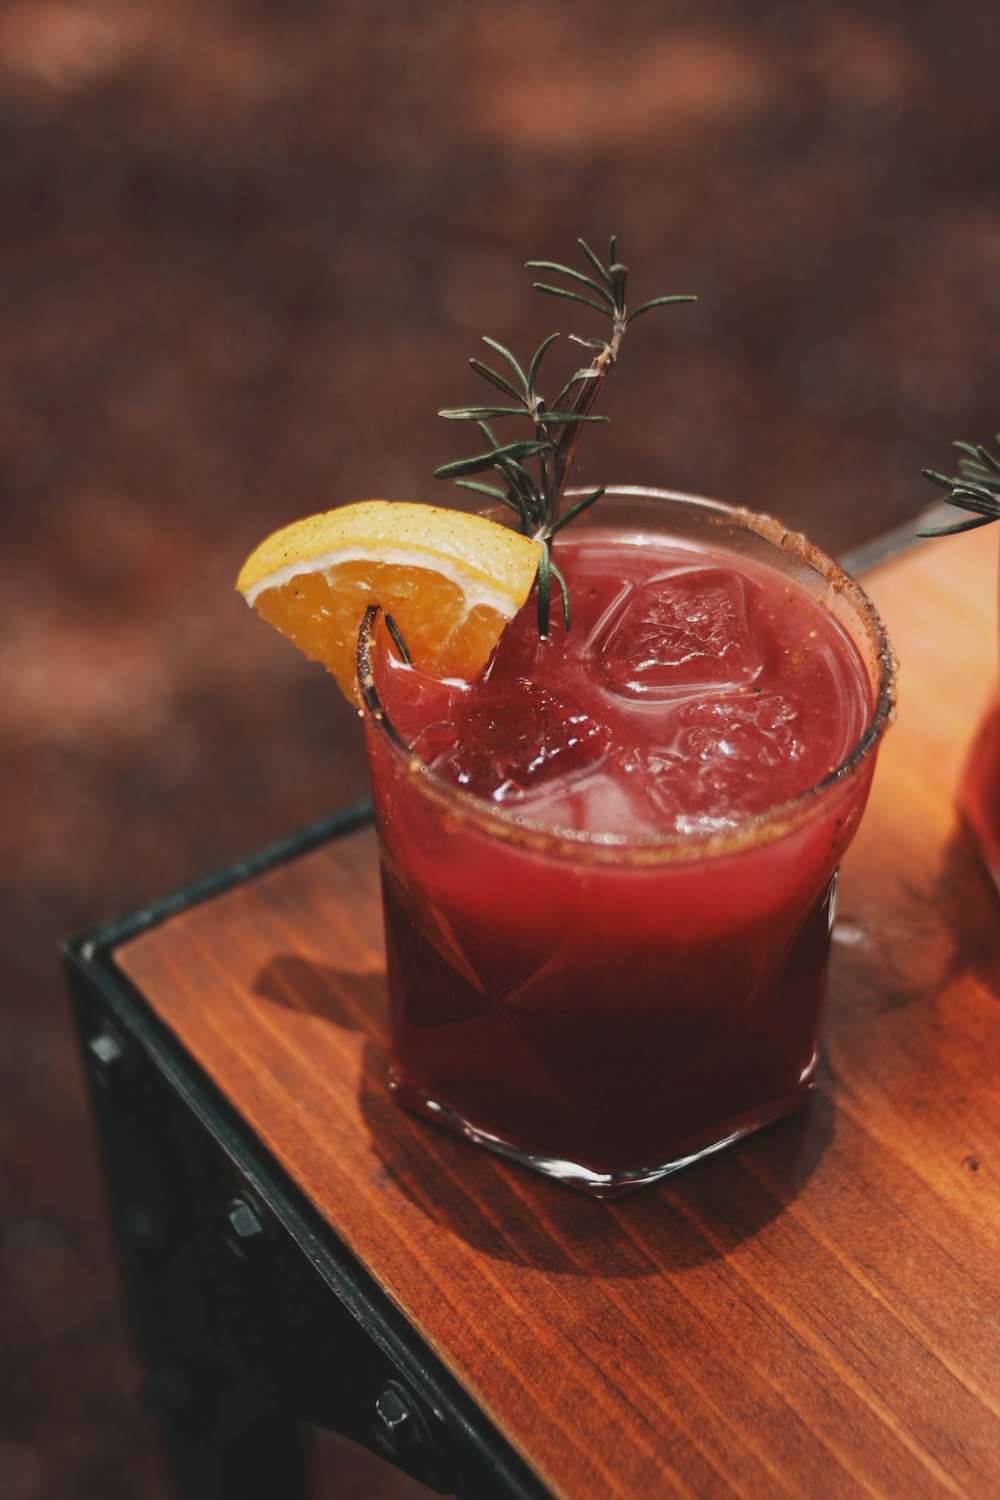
x,y
458,1449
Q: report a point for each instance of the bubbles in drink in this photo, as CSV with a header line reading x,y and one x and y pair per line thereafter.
x,y
687,629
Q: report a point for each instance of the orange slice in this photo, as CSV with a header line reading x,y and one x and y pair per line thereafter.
x,y
451,581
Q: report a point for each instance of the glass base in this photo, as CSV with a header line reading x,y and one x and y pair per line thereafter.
x,y
605,1185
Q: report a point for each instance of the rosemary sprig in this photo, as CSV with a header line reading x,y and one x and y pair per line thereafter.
x,y
537,497
975,488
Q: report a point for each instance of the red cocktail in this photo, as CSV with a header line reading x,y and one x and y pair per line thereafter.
x,y
609,865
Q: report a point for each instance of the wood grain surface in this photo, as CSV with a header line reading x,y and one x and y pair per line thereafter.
x,y
812,1313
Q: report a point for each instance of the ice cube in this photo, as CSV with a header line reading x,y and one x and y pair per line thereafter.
x,y
681,630
754,728
726,750
514,737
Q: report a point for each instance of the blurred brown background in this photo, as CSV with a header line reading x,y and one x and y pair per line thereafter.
x,y
246,251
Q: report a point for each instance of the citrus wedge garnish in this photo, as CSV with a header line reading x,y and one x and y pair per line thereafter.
x,y
451,581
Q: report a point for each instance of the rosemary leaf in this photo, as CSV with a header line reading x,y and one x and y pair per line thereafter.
x,y
476,413
968,470
506,354
483,489
550,265
969,525
484,461
536,361
577,509
562,417
986,458
494,378
976,500
512,502
559,291
975,488
544,592
526,486
465,466
978,496
562,589
602,273
658,302
397,637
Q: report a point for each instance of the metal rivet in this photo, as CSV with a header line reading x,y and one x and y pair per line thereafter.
x,y
246,1228
106,1053
397,1426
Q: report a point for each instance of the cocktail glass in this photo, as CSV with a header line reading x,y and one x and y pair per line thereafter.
x,y
604,1008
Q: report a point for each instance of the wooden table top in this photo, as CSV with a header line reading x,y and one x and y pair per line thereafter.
x,y
812,1313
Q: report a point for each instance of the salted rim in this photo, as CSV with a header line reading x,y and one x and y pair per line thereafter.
x,y
701,839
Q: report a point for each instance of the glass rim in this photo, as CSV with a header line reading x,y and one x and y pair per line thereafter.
x,y
704,837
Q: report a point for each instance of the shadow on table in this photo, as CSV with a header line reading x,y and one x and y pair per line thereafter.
x,y
511,1214
937,929
968,904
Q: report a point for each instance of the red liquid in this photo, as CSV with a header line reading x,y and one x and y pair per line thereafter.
x,y
591,1007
